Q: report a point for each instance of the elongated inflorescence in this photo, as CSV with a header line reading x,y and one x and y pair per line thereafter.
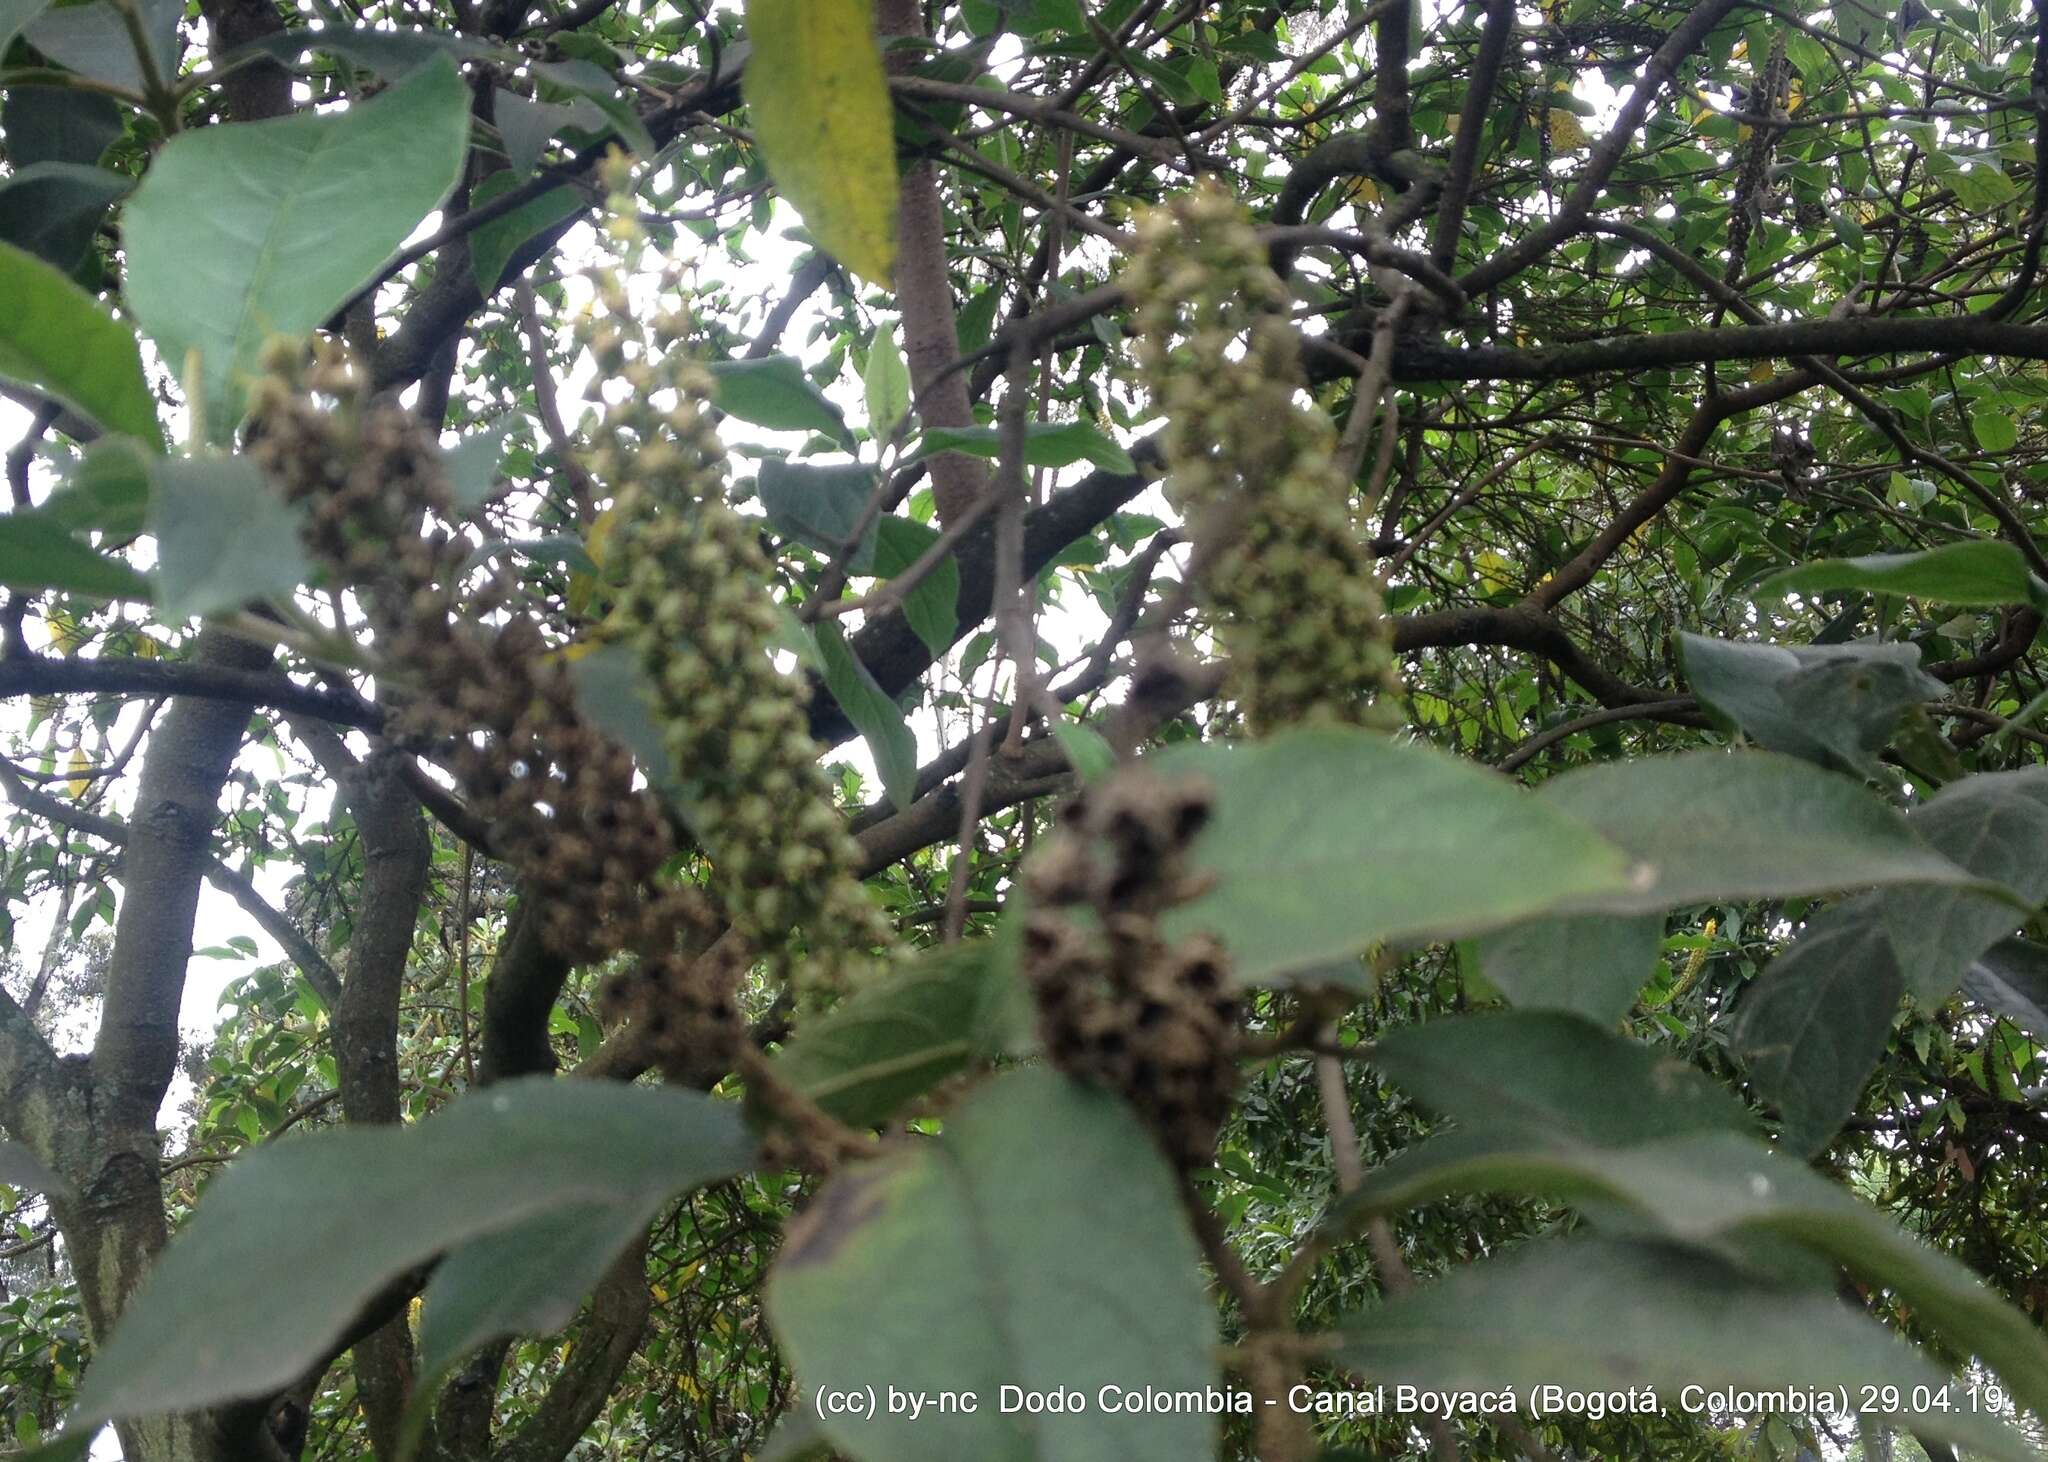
x,y
1120,1004
475,685
693,602
1256,472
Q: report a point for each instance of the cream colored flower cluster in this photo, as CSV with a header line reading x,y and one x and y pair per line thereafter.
x,y
1279,555
693,601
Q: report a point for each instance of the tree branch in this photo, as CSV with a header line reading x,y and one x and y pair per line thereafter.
x,y
197,679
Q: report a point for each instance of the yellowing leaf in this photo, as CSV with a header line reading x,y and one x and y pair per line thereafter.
x,y
1365,191
569,654
821,114
1495,572
67,636
582,586
80,783
1567,133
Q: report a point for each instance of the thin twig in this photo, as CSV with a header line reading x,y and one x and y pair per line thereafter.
x,y
583,489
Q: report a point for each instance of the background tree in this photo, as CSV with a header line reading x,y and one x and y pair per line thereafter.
x,y
1520,526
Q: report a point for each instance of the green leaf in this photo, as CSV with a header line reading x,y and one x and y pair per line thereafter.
x,y
1736,825
820,506
492,246
600,88
250,230
822,116
107,492
774,392
472,464
1556,1074
1592,964
20,1168
296,1235
1046,444
55,338
526,1280
15,15
2012,980
886,384
550,548
1726,1193
613,692
1813,1026
52,209
1832,704
57,123
894,1040
392,54
1994,429
527,126
1088,750
976,320
1995,825
94,40
931,608
878,718
1982,572
995,1257
37,552
1593,1316
74,1446
1308,872
224,536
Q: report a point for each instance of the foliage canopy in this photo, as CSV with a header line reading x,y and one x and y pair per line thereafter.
x,y
1050,729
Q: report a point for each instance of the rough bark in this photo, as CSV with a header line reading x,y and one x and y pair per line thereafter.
x,y
257,89
397,852
107,1145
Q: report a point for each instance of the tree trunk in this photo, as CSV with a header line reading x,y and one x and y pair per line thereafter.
x,y
98,1115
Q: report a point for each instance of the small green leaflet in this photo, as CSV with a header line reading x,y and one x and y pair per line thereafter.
x,y
1046,444
56,338
492,246
774,392
886,385
37,552
878,718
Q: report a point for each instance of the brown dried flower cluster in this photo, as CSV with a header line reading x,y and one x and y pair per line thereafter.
x,y
1118,1004
1256,472
478,689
